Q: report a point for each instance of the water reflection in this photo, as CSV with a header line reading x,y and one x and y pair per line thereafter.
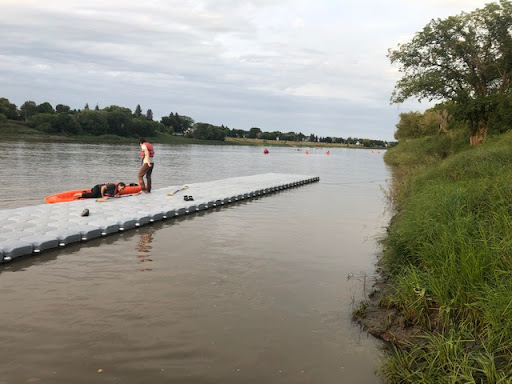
x,y
144,248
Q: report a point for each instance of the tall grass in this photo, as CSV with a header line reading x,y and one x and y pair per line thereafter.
x,y
449,255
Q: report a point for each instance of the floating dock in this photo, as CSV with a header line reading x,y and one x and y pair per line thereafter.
x,y
34,229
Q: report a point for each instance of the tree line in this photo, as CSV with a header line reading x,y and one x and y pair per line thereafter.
x,y
121,121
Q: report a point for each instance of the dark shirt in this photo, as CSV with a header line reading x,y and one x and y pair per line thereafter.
x,y
110,190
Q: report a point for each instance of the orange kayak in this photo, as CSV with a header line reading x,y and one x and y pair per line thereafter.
x,y
70,195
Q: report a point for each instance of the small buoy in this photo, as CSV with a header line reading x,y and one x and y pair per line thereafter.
x,y
307,152
328,153
265,151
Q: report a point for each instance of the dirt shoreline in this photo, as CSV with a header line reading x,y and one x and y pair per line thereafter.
x,y
385,323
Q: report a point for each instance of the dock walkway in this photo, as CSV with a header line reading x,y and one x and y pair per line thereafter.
x,y
34,229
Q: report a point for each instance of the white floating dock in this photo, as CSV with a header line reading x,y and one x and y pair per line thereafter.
x,y
33,229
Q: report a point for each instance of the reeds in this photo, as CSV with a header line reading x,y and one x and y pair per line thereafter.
x,y
449,255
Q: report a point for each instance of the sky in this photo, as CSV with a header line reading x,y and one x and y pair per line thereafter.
x,y
311,66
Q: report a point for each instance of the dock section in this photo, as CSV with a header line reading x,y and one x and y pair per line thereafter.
x,y
34,229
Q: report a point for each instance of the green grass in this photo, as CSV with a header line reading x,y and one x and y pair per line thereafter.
x,y
448,252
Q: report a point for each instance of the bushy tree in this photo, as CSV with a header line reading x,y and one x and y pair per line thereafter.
x,y
176,123
288,136
254,133
465,59
45,107
501,121
28,109
206,131
237,133
118,123
8,109
61,108
142,127
44,122
270,135
93,122
409,126
67,124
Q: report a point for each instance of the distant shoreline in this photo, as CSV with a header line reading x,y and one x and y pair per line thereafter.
x,y
17,133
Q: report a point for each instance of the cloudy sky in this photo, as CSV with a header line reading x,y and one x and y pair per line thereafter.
x,y
310,66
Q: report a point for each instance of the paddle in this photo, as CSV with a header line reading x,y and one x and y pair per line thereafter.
x,y
176,191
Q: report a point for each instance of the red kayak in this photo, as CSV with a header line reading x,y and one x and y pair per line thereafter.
x,y
70,195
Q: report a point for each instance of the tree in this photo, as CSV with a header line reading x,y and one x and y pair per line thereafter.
x,y
61,108
8,109
289,136
142,127
117,108
177,123
45,107
67,124
28,109
138,111
205,131
237,133
409,126
44,122
254,133
465,59
118,118
185,122
270,135
93,122
149,115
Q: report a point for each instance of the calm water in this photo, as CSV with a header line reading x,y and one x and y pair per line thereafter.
x,y
255,292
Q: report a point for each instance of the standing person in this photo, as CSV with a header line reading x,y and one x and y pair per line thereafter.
x,y
102,190
146,153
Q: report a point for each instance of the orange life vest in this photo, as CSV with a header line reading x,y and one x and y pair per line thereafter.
x,y
151,151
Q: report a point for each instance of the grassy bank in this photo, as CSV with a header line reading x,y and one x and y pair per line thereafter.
x,y
448,260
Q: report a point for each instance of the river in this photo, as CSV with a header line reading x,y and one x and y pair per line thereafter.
x,y
260,291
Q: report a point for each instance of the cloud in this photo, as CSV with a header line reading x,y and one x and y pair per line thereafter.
x,y
310,66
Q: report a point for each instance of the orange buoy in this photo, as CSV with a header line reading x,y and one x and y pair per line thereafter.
x,y
265,151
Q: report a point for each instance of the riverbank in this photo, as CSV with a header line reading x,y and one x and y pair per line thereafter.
x,y
20,131
444,293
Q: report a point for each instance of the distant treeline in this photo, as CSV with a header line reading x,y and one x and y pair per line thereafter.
x,y
121,121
